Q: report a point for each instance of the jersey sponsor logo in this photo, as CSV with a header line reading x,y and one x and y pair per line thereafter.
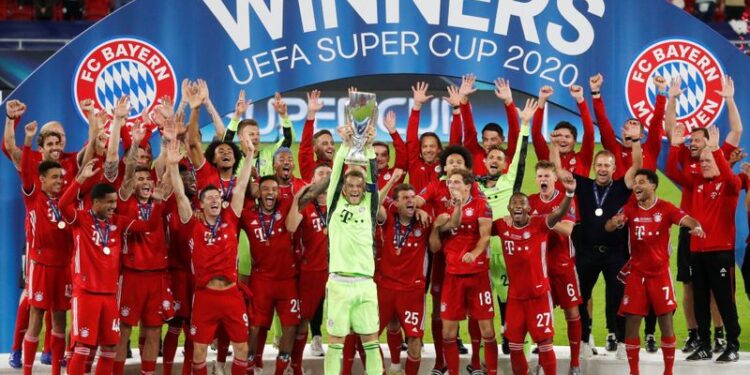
x,y
346,216
120,67
701,75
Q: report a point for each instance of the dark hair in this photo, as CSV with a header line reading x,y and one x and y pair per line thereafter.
x,y
142,168
466,175
518,194
210,153
182,168
206,189
321,133
101,190
246,122
46,134
456,149
651,176
545,164
269,177
399,188
569,126
430,134
493,127
46,166
382,144
701,130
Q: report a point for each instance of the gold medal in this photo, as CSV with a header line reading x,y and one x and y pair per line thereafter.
x,y
106,250
60,225
325,231
224,204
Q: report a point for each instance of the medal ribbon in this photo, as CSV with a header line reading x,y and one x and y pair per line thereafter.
x,y
227,193
145,209
103,235
401,239
266,231
214,228
600,202
321,214
55,210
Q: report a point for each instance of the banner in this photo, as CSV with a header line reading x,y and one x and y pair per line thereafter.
x,y
146,48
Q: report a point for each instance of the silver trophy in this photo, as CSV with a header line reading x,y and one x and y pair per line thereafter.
x,y
361,110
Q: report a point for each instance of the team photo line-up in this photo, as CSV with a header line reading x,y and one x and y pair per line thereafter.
x,y
142,240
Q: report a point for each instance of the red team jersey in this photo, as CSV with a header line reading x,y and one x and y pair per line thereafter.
x,y
144,251
649,234
463,239
287,192
207,174
524,250
420,172
690,166
405,270
46,243
313,239
177,238
575,162
270,243
214,253
560,253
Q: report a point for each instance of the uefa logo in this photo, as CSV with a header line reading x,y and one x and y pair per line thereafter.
x,y
120,67
700,103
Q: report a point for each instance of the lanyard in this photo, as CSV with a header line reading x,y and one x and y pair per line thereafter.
x,y
214,228
269,230
227,193
145,209
401,238
321,214
55,210
103,234
600,202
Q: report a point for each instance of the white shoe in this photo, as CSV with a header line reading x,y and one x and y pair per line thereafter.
x,y
218,368
585,353
257,371
622,354
592,345
395,371
316,347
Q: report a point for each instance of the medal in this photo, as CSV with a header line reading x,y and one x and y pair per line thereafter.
x,y
325,231
214,228
103,234
106,250
267,231
226,193
401,237
600,201
56,214
322,216
224,204
60,225
598,212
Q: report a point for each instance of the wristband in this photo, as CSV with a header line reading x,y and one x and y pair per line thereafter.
x,y
596,93
570,194
455,107
664,93
9,117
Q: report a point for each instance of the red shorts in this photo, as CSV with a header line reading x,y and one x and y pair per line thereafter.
x,y
145,297
212,308
642,292
95,319
182,291
49,288
533,315
564,288
280,295
406,305
438,273
462,293
312,291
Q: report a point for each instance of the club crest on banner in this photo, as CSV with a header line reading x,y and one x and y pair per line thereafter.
x,y
701,73
124,66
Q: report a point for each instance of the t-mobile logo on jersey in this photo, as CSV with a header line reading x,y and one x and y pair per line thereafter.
x,y
640,230
346,216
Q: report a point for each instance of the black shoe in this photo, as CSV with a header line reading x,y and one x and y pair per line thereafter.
x,y
611,342
404,347
535,350
505,346
729,355
703,353
720,345
130,352
651,344
461,348
439,371
690,344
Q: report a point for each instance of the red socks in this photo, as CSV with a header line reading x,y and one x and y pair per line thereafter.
x,y
106,362
148,367
47,332
299,348
547,359
30,344
412,365
118,368
239,367
394,345
22,323
201,368
188,364
490,355
57,346
170,348
260,346
451,355
476,335
77,365
633,347
574,338
518,359
282,362
667,349
437,337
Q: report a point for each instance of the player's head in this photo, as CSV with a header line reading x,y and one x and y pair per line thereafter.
x,y
631,122
546,177
143,155
283,164
645,184
519,208
224,155
455,157
57,127
354,186
50,145
460,181
50,177
102,139
495,161
323,144
103,200
144,184
382,154
403,197
709,169
604,166
188,181
249,129
698,141
566,135
210,198
492,135
321,172
429,147
268,192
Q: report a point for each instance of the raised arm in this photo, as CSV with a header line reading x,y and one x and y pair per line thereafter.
x,y
215,116
419,94
77,189
456,131
504,93
128,180
184,209
735,122
337,169
570,188
634,132
467,117
243,180
27,165
195,151
294,218
517,163
286,125
14,110
656,126
383,193
607,132
306,154
537,138
670,117
587,144
240,108
111,161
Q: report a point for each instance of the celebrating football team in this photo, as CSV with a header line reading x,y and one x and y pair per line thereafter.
x,y
127,240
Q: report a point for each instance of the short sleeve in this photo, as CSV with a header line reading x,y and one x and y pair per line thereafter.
x,y
675,214
486,211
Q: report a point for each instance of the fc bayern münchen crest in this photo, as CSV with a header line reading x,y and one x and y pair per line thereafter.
x,y
124,66
701,73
